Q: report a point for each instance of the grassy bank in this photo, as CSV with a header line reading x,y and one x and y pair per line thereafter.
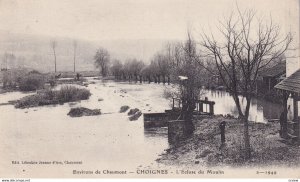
x,y
48,97
204,146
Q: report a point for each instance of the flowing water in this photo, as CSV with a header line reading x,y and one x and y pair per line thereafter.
x,y
110,140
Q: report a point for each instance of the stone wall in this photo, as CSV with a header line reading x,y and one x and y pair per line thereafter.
x,y
177,131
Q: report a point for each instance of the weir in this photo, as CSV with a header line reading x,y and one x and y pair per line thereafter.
x,y
177,129
202,107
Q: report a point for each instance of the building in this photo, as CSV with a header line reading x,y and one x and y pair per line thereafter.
x,y
290,86
271,77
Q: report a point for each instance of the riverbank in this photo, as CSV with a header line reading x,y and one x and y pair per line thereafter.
x,y
203,148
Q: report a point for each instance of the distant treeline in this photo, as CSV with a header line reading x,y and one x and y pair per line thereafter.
x,y
165,66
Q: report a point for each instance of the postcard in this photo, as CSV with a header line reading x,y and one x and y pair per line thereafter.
x,y
149,89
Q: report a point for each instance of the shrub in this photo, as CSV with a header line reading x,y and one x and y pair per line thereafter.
x,y
71,93
133,111
135,116
31,82
124,108
29,101
48,97
82,111
11,78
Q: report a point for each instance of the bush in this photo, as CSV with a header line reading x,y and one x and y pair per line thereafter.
x,y
133,111
48,97
124,109
11,78
31,81
135,116
29,101
82,111
71,93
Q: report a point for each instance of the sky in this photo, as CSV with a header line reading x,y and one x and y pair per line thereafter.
x,y
128,19
126,28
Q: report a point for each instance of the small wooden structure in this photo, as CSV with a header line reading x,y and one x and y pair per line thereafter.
x,y
290,87
203,107
152,120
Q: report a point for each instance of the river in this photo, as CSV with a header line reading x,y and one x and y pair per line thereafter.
x,y
107,141
260,110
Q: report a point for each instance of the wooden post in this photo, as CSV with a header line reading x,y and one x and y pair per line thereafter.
x,y
222,128
296,119
200,106
284,123
173,104
295,107
211,108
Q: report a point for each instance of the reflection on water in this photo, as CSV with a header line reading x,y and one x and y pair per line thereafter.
x,y
156,132
260,110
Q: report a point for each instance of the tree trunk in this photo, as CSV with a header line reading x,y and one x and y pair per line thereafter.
x,y
246,129
187,116
247,139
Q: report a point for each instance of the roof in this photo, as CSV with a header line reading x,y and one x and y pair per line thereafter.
x,y
277,70
291,83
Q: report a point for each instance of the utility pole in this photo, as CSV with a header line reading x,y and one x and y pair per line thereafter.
x,y
53,45
75,47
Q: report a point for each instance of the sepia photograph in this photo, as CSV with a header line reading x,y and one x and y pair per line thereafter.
x,y
149,89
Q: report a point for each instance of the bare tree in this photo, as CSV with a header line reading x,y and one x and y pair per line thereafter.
x,y
136,67
5,58
75,49
102,60
146,73
53,46
8,60
116,68
155,70
181,61
189,67
248,47
163,65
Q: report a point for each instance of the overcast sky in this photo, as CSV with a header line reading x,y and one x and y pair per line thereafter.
x,y
127,19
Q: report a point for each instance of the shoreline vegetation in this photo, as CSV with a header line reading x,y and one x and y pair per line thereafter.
x,y
66,93
27,81
204,147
